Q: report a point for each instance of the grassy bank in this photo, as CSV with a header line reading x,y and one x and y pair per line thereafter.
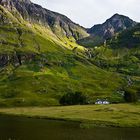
x,y
120,115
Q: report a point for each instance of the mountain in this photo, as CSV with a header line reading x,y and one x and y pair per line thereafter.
x,y
101,32
121,54
112,26
40,60
129,38
60,25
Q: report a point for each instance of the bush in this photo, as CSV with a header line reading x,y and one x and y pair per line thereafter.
x,y
73,99
10,93
130,96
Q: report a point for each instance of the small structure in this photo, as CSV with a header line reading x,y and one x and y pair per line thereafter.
x,y
106,102
98,102
102,102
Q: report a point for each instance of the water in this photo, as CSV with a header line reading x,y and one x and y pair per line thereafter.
x,y
14,128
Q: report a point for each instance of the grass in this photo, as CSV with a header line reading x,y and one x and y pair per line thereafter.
x,y
61,65
35,86
52,66
61,70
115,115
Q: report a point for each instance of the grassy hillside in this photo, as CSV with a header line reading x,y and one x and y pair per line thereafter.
x,y
129,38
122,55
37,67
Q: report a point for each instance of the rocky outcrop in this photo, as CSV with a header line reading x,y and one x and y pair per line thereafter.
x,y
15,59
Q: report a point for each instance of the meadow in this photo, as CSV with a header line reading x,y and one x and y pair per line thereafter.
x,y
113,115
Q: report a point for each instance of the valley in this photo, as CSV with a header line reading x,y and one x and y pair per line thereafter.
x,y
47,60
60,80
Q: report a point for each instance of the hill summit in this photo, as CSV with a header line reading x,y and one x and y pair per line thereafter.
x,y
112,26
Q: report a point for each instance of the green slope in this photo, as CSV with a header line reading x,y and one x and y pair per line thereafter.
x,y
122,55
37,68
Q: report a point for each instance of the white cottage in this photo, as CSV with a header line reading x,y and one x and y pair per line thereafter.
x,y
102,102
106,102
98,102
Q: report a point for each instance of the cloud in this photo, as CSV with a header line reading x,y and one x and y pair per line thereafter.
x,y
90,12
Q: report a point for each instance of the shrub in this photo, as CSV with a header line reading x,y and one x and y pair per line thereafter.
x,y
73,99
10,93
130,96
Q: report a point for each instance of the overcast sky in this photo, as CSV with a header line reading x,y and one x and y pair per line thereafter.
x,y
90,12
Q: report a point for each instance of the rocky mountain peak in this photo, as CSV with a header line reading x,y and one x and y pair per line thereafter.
x,y
116,16
112,26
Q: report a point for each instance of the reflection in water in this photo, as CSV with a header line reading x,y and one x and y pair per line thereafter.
x,y
13,128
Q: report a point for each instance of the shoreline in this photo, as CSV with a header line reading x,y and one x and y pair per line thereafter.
x,y
58,114
83,124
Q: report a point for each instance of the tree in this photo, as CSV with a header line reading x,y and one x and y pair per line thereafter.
x,y
73,99
130,96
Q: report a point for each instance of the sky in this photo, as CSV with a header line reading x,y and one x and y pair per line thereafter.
x,y
90,12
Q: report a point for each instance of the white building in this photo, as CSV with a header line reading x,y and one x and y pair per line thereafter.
x,y
102,102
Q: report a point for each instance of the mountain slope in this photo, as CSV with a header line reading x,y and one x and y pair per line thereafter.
x,y
129,38
101,32
121,54
112,26
36,68
59,24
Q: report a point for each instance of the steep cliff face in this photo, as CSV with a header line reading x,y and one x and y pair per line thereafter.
x,y
59,24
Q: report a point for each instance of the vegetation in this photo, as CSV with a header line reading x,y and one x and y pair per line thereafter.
x,y
73,99
130,95
129,38
117,115
38,68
